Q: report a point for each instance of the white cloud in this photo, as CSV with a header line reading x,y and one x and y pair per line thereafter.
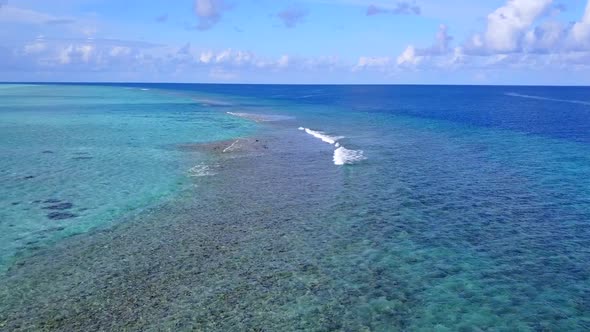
x,y
117,51
380,63
243,58
515,28
443,40
23,20
35,47
283,61
546,37
9,14
85,52
17,15
373,61
63,56
223,56
236,58
325,62
206,57
457,58
209,12
507,25
413,56
580,33
207,8
76,53
517,35
409,57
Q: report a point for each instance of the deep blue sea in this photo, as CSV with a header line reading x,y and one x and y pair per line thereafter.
x,y
281,207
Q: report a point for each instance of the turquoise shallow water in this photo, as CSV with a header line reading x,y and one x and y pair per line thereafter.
x,y
105,151
456,209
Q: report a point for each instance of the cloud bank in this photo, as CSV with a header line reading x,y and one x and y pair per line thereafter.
x,y
530,36
520,34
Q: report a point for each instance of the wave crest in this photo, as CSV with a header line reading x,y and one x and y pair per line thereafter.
x,y
342,155
321,135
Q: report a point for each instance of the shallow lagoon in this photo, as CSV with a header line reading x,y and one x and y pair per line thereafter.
x,y
453,221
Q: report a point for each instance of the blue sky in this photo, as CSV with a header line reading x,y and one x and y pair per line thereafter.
x,y
306,41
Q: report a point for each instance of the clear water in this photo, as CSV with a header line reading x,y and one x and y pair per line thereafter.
x,y
468,212
105,151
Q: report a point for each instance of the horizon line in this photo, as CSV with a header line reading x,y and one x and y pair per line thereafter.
x,y
296,84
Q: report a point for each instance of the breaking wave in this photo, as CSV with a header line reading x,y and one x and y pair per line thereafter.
x,y
342,155
318,134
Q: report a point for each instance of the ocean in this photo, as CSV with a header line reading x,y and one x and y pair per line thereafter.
x,y
306,207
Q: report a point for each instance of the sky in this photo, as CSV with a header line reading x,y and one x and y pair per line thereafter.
x,y
532,42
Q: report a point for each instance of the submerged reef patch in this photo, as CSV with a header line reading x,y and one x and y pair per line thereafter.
x,y
61,215
49,201
60,206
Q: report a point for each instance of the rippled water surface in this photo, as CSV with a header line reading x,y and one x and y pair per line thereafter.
x,y
76,157
375,208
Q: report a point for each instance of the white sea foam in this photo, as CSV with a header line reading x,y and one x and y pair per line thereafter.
x,y
231,147
200,170
145,89
514,94
321,135
342,155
